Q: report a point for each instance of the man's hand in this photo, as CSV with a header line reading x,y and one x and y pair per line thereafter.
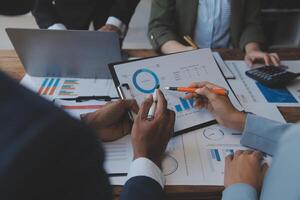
x,y
110,28
245,167
218,105
254,54
111,122
150,137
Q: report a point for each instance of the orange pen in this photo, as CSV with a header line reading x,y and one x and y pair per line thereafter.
x,y
219,91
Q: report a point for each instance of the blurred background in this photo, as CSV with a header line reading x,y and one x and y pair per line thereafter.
x,y
281,22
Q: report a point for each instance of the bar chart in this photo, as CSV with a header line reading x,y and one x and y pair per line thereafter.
x,y
69,88
219,155
48,86
184,105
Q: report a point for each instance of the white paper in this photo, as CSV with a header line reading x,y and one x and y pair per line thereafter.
x,y
197,158
174,70
226,71
268,111
196,165
118,155
249,91
51,87
75,109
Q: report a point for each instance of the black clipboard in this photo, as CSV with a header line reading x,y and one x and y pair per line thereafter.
x,y
124,88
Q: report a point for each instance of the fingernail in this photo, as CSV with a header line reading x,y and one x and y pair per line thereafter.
x,y
149,96
198,90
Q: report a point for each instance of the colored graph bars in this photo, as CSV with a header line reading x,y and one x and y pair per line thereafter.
x,y
49,86
184,104
69,88
216,154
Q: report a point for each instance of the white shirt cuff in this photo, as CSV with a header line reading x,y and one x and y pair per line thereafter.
x,y
145,167
57,27
116,22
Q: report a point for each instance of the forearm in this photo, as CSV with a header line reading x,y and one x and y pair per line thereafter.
x,y
252,29
44,14
162,24
145,181
263,134
123,10
239,191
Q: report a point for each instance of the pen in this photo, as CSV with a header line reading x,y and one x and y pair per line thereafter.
x,y
153,106
190,41
219,91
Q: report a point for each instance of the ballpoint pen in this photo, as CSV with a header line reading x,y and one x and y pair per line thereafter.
x,y
219,91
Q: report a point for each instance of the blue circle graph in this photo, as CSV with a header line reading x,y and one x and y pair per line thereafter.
x,y
140,88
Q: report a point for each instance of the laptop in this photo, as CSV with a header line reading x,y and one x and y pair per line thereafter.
x,y
66,53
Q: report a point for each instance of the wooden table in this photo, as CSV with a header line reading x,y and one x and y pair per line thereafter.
x,y
10,64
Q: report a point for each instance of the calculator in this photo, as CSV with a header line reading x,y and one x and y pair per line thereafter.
x,y
271,76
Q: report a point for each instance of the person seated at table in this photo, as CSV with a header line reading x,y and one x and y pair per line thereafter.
x,y
106,15
244,171
46,154
212,24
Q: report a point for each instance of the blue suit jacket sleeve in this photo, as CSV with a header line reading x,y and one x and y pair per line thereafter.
x,y
282,141
141,187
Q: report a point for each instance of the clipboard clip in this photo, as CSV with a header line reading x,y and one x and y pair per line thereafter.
x,y
126,93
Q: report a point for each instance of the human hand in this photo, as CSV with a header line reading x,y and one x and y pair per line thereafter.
x,y
150,137
110,28
218,105
111,122
245,167
173,46
254,54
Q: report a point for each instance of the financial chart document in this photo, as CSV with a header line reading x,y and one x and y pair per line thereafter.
x,y
180,69
249,91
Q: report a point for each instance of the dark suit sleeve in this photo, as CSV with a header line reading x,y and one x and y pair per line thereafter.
x,y
44,153
142,188
124,9
252,31
15,7
45,14
162,23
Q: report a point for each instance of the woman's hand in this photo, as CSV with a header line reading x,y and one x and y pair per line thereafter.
x,y
173,46
219,106
254,54
245,167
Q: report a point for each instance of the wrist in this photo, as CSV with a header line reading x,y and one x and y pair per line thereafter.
x,y
251,47
236,121
154,159
172,46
